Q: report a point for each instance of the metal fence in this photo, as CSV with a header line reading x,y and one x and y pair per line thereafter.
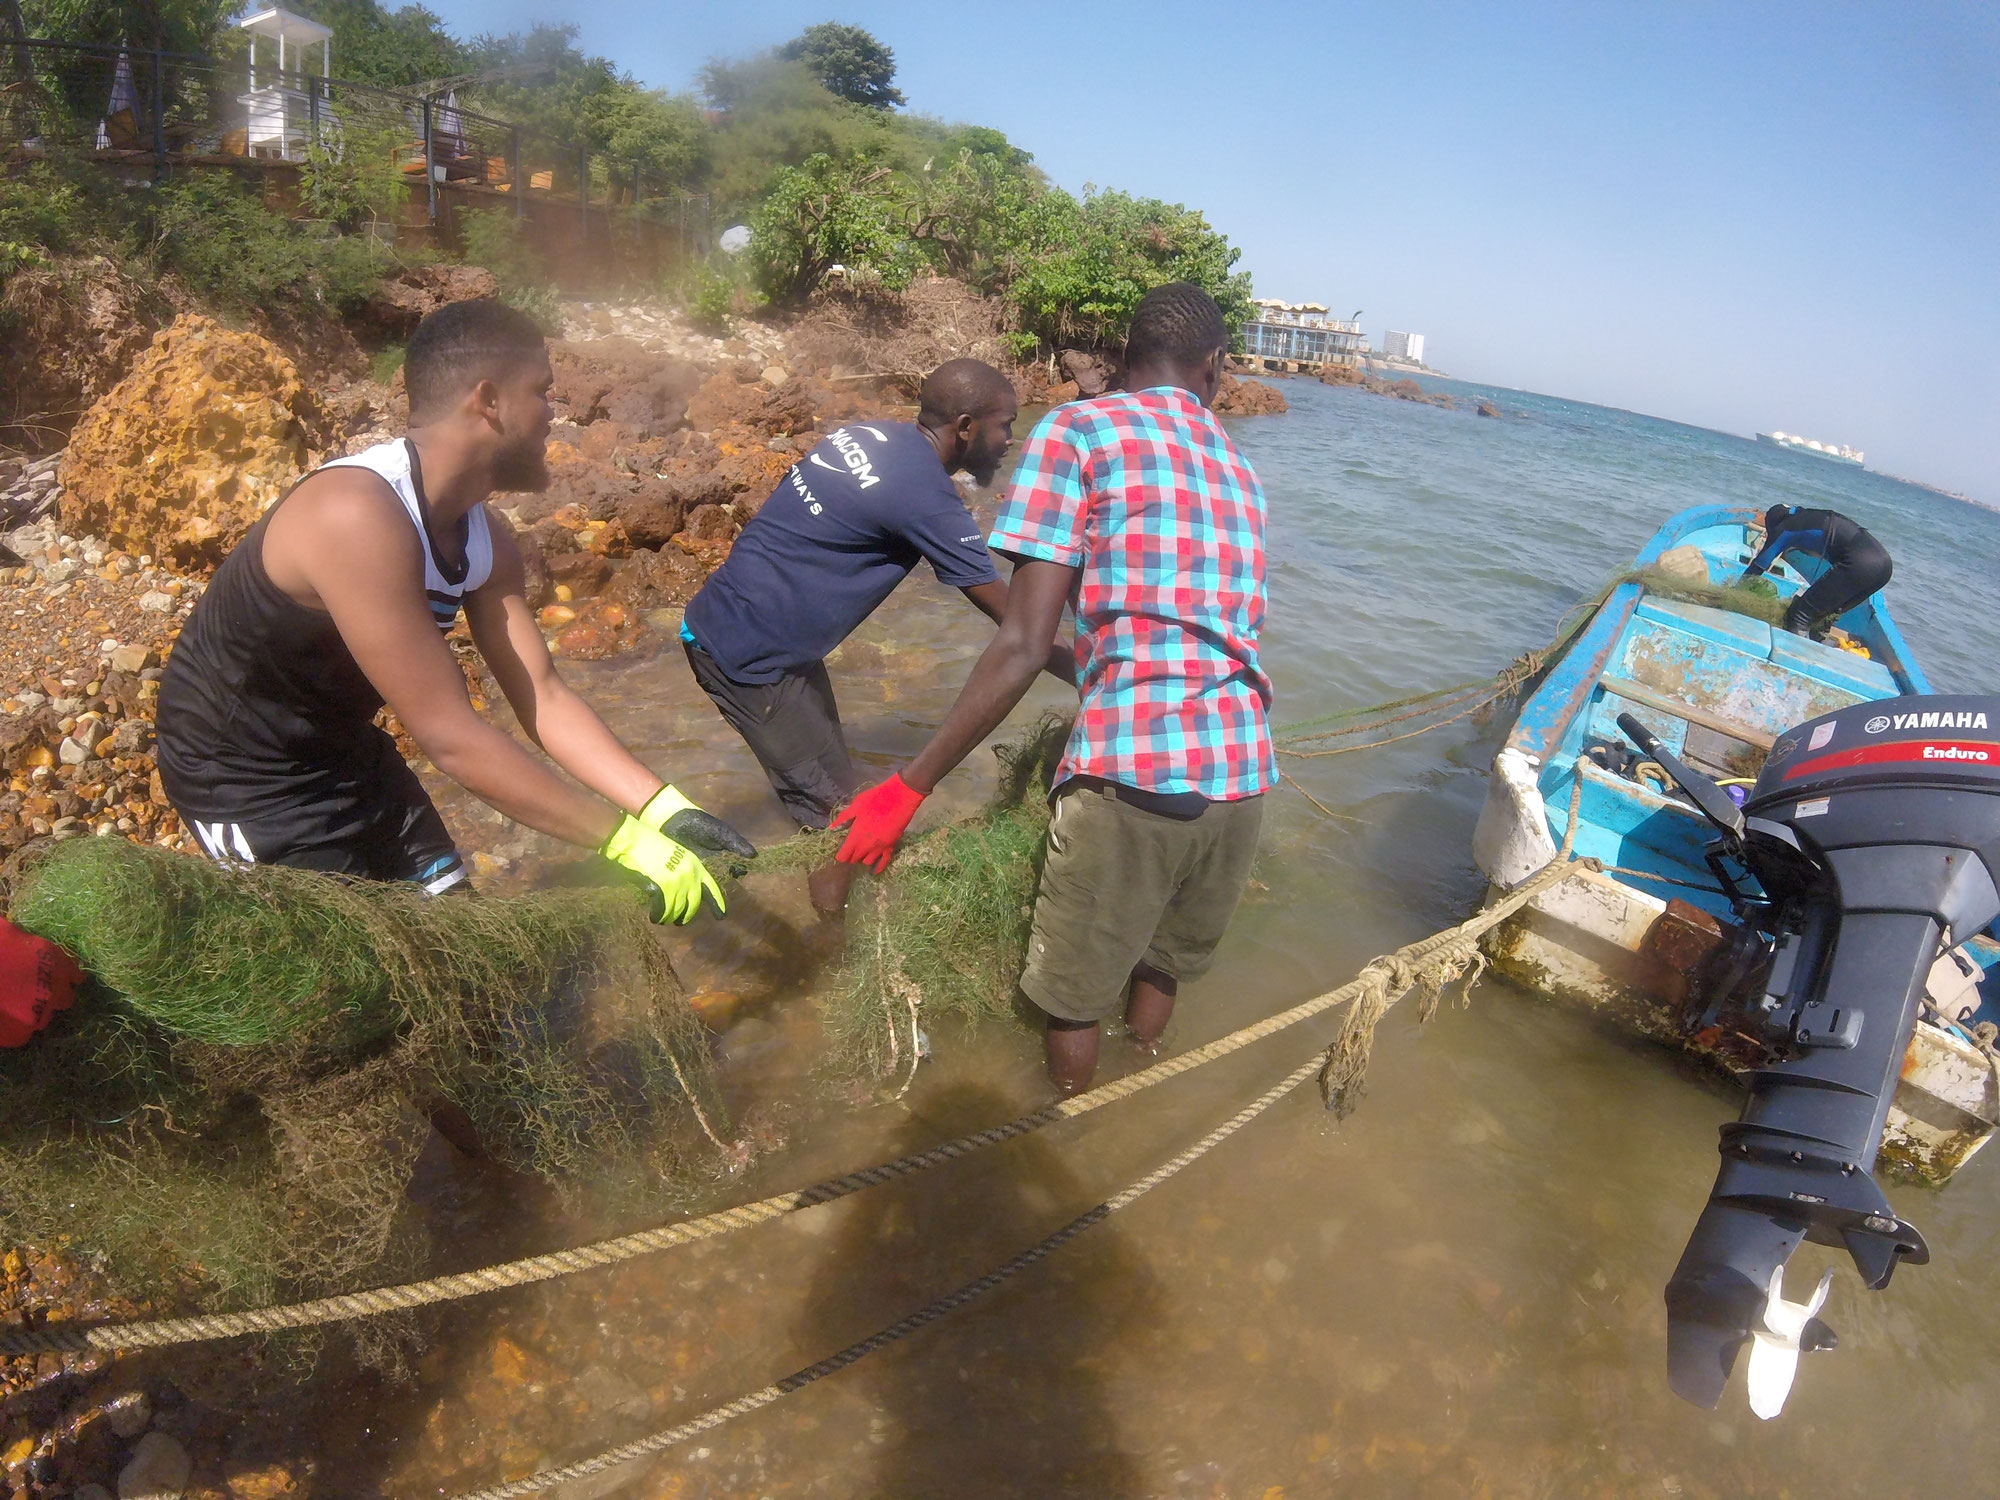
x,y
135,108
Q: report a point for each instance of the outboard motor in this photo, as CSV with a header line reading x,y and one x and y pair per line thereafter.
x,y
1873,839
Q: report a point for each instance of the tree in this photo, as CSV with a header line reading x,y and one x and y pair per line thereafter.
x,y
393,48
776,114
172,25
544,81
84,83
850,62
16,27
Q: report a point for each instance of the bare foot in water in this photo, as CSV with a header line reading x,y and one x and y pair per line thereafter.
x,y
1071,1050
1150,1007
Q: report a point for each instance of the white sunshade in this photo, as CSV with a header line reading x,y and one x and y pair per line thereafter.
x,y
293,30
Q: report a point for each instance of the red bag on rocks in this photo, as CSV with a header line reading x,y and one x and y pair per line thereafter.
x,y
37,979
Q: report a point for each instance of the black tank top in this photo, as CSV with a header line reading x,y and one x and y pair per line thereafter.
x,y
262,707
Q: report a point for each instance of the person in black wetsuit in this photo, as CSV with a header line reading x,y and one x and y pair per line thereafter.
x,y
1857,564
338,601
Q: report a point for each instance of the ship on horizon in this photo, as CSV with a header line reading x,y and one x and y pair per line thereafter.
x,y
1840,453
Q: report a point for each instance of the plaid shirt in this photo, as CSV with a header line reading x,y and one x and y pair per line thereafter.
x,y
1145,494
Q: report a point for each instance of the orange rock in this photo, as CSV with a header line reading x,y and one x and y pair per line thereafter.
x,y
594,639
715,1007
586,642
1248,398
512,1365
606,539
555,616
268,1483
183,455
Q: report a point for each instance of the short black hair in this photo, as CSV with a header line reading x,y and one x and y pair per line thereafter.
x,y
1775,518
961,388
1178,322
461,344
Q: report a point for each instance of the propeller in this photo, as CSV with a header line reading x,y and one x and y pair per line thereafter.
x,y
1787,1328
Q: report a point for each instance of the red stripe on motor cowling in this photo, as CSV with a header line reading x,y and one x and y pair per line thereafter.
x,y
1969,753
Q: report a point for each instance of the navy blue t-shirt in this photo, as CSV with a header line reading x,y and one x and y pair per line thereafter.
x,y
845,525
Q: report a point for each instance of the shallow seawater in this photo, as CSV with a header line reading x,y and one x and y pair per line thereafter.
x,y
1456,1291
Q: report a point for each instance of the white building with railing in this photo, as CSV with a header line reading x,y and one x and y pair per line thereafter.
x,y
1304,333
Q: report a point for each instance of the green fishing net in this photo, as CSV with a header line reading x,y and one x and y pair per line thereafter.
x,y
1756,597
242,1091
943,937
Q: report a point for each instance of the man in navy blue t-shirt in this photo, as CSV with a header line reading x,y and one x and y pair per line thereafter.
x,y
845,525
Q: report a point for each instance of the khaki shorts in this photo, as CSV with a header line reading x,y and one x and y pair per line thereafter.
x,y
1123,885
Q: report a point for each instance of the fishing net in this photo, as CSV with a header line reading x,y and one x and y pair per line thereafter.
x,y
1757,597
943,937
242,1094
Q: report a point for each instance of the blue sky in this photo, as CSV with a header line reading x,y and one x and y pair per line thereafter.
x,y
1741,216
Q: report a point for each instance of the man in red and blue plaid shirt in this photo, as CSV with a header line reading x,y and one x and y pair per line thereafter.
x,y
1137,510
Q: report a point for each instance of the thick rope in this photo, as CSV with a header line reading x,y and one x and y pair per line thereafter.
x,y
160,1333
903,1328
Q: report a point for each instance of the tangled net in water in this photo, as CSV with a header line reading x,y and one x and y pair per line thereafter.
x,y
239,1097
943,937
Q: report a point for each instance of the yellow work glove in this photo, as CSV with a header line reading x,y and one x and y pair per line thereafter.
x,y
684,823
673,870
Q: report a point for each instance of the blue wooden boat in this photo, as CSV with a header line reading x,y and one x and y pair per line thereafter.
x,y
1651,941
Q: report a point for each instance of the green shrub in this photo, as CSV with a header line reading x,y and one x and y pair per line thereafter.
x,y
853,213
1075,268
16,257
228,247
354,178
713,302
41,208
59,206
710,292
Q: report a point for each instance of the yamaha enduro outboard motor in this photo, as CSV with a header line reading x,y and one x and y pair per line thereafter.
x,y
1873,839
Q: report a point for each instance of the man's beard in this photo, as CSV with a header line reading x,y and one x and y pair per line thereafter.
x,y
983,467
523,467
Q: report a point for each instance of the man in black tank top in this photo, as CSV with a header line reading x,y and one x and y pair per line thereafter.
x,y
337,602
1857,564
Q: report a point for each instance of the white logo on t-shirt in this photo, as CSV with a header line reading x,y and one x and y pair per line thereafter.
x,y
859,464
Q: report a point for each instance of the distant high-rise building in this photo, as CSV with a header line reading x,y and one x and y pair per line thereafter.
x,y
1405,346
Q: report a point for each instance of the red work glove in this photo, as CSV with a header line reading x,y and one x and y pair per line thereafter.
x,y
874,820
37,979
